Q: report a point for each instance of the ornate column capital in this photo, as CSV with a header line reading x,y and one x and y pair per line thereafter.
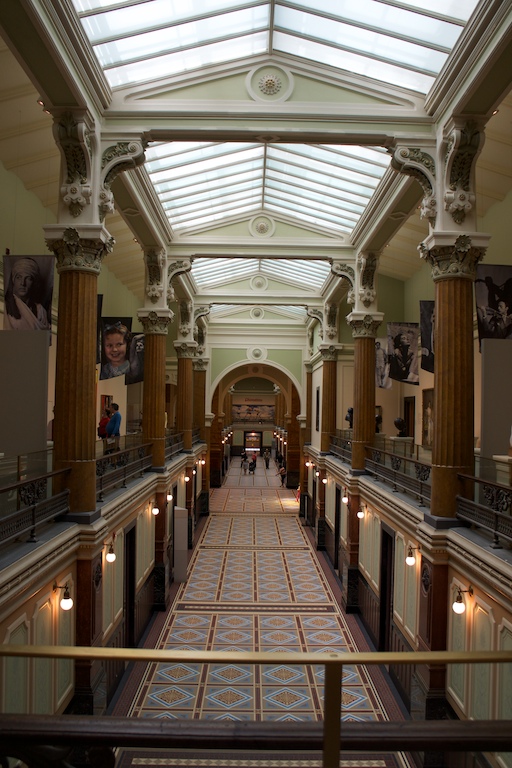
x,y
453,256
185,349
329,352
365,326
200,363
81,249
155,321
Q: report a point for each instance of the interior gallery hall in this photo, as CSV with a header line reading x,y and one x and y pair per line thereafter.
x,y
256,352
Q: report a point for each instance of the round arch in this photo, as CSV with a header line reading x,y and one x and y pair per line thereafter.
x,y
271,372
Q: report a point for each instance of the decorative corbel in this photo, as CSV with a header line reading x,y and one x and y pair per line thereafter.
x,y
367,264
331,321
173,269
123,156
462,149
420,165
346,272
73,139
316,314
185,326
155,263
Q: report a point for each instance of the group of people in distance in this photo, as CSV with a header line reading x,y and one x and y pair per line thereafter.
x,y
250,466
109,428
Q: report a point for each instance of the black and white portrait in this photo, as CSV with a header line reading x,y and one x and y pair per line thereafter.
x,y
28,292
427,328
403,352
493,295
382,379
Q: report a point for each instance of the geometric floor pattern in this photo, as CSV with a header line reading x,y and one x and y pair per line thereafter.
x,y
255,584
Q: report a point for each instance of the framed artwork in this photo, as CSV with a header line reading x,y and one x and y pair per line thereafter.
x,y
106,402
428,418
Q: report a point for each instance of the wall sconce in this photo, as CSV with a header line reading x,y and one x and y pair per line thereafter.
x,y
410,559
360,513
285,442
110,557
169,497
155,511
66,602
324,480
194,472
458,605
344,498
203,462
187,479
308,464
317,473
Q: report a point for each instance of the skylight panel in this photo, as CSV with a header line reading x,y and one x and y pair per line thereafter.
x,y
306,216
412,24
213,218
210,179
154,65
209,164
196,155
352,62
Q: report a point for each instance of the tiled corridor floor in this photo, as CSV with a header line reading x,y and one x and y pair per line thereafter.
x,y
255,583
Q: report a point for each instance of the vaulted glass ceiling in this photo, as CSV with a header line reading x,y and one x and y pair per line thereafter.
x,y
403,43
400,43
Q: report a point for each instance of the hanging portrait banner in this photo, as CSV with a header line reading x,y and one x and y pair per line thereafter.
x,y
427,325
136,357
28,292
403,352
382,379
493,296
115,346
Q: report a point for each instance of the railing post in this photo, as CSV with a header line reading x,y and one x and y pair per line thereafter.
x,y
332,715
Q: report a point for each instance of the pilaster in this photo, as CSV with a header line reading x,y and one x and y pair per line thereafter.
x,y
185,352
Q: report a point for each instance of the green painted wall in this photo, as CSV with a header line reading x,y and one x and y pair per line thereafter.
x,y
221,359
290,359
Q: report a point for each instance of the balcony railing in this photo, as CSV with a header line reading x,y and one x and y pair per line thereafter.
x,y
30,737
490,508
115,469
27,505
404,474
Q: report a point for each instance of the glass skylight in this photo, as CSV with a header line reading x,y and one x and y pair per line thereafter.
x,y
211,273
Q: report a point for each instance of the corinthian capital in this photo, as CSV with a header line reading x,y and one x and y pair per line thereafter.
x,y
81,251
155,322
453,259
364,325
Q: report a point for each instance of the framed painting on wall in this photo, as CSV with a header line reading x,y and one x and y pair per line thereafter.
x,y
428,418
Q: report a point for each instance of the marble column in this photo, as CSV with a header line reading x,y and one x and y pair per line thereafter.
x,y
79,256
328,407
155,324
185,403
453,265
364,331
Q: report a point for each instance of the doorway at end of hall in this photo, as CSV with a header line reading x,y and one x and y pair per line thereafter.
x,y
252,441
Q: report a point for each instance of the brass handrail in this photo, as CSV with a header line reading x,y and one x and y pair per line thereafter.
x,y
332,661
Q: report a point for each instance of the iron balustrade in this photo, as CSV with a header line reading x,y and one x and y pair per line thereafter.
x,y
114,469
29,504
341,447
403,473
30,737
494,515
173,444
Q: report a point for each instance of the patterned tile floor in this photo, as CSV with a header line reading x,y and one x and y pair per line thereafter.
x,y
256,584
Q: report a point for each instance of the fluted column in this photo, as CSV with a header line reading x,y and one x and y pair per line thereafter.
x,y
155,324
200,365
185,403
79,256
328,408
364,331
453,270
